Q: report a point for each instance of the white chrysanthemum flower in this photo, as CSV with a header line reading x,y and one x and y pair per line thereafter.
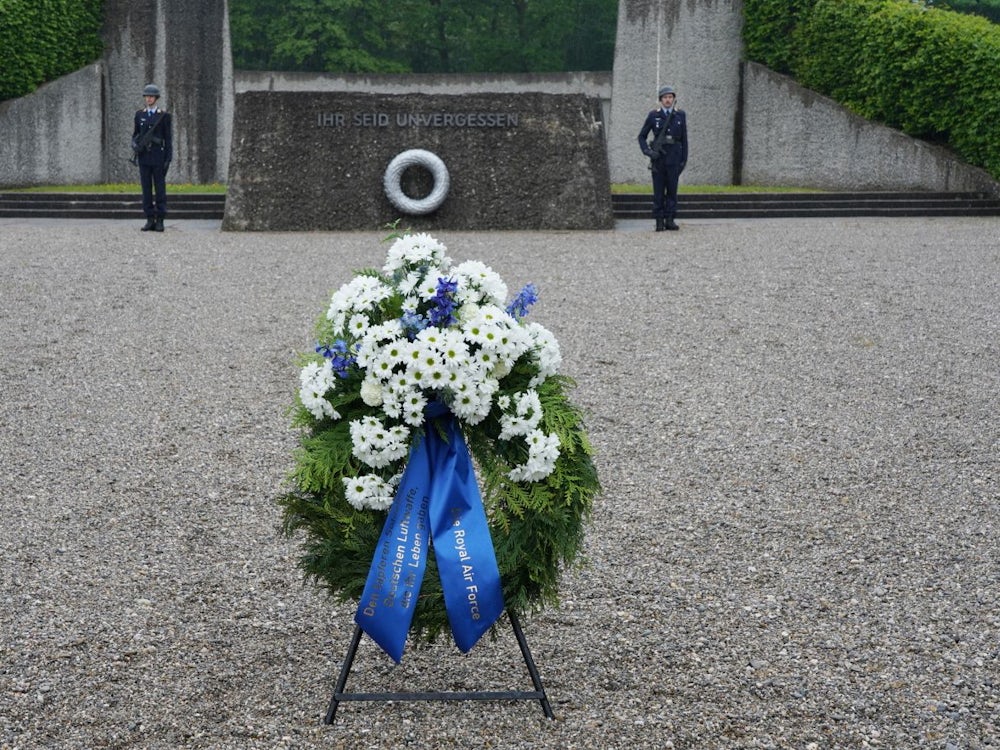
x,y
437,375
425,347
471,399
316,379
494,314
392,404
513,342
408,285
487,335
508,344
489,363
381,365
484,360
477,282
402,383
358,295
428,287
370,491
474,371
546,351
543,450
413,404
383,332
493,329
378,445
357,325
427,365
523,418
416,250
453,348
375,340
430,337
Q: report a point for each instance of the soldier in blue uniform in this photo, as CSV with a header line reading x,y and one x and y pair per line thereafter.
x,y
668,155
153,147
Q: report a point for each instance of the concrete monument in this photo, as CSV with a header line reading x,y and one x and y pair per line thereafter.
x,y
325,160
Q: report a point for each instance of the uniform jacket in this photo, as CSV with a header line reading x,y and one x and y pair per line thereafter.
x,y
672,154
160,150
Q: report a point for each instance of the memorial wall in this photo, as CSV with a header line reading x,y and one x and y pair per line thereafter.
x,y
354,161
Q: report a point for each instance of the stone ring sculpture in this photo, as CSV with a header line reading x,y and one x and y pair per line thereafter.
x,y
392,180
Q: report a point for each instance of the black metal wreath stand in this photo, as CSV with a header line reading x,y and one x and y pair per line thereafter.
x,y
538,694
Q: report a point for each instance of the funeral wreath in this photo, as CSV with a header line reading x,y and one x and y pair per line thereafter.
x,y
398,348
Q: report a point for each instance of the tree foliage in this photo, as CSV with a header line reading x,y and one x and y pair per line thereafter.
x,y
423,36
41,40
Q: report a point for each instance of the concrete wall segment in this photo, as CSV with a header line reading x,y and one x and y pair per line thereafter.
x,y
198,72
54,134
130,57
183,47
794,136
694,46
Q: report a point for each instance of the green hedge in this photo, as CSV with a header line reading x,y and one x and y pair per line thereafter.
x,y
769,31
931,73
41,40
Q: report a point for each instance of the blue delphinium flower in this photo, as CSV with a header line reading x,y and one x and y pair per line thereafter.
x,y
442,309
518,307
340,358
413,323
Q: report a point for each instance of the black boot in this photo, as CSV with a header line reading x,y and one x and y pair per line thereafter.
x,y
669,224
149,225
159,224
659,225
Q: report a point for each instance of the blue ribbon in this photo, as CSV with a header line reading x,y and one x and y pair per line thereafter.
x,y
438,493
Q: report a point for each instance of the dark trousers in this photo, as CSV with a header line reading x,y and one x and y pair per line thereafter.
x,y
153,177
665,178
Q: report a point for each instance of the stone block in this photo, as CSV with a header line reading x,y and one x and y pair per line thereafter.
x,y
316,161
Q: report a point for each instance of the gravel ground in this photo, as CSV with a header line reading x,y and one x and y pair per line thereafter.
x,y
797,545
